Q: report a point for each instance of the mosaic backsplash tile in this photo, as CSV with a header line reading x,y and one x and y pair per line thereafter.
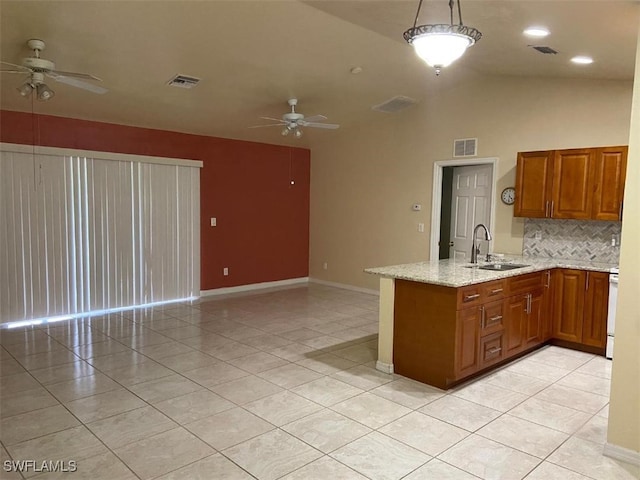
x,y
572,239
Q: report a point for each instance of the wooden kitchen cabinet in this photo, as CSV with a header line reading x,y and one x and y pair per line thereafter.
x,y
568,304
609,172
572,184
467,344
583,183
594,327
580,307
516,324
533,184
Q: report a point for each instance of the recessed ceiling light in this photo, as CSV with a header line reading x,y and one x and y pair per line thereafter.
x,y
582,60
538,32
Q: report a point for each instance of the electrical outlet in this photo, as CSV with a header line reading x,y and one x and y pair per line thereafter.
x,y
421,227
225,271
538,235
325,266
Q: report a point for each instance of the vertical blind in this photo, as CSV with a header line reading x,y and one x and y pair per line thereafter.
x,y
81,234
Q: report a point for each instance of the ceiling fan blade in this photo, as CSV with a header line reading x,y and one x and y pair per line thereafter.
x,y
268,125
74,82
328,126
314,118
86,76
282,122
22,72
23,68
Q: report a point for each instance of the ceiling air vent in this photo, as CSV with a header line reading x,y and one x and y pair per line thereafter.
x,y
395,104
545,50
183,81
465,147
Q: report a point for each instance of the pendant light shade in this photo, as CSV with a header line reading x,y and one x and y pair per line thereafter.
x,y
439,45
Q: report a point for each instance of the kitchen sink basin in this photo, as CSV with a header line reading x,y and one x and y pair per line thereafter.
x,y
498,267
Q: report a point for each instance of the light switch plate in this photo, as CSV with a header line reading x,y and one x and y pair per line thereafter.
x,y
213,221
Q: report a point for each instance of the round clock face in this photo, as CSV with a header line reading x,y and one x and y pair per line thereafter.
x,y
509,196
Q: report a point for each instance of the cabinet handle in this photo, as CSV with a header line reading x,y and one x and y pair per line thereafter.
x,y
494,349
482,317
496,290
527,306
496,318
551,215
471,297
546,209
586,286
548,273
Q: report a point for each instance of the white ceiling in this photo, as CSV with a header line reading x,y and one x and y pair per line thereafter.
x,y
254,55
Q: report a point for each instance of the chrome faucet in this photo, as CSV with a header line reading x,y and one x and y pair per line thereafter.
x,y
475,249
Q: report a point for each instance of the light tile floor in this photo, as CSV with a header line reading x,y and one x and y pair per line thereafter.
x,y
283,385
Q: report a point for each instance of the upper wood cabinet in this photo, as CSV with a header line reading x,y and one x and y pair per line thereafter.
x,y
610,168
533,184
583,183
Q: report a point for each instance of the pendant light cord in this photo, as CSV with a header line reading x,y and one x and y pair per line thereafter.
x,y
415,22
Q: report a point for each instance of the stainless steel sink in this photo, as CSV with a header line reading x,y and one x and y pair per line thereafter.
x,y
497,267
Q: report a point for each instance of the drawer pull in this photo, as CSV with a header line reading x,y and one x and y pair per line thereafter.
x,y
496,290
471,297
495,319
494,350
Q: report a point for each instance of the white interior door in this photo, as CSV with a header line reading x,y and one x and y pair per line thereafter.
x,y
470,205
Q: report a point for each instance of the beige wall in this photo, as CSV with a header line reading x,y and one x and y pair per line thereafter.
x,y
624,416
364,181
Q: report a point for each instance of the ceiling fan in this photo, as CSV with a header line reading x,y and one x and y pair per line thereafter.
x,y
37,68
292,121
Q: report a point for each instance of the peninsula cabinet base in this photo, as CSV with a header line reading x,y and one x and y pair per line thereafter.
x,y
443,336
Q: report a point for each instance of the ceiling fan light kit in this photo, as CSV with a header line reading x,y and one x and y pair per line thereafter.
x,y
439,45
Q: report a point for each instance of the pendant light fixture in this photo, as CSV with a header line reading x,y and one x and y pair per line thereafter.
x,y
441,44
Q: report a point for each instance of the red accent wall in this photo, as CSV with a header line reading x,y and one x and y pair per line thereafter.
x,y
262,231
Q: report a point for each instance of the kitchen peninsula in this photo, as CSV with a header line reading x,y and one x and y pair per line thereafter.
x,y
443,322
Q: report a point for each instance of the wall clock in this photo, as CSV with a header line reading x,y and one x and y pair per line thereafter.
x,y
508,196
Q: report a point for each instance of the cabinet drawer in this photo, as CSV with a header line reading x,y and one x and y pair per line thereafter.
x,y
526,283
491,350
480,293
493,290
492,318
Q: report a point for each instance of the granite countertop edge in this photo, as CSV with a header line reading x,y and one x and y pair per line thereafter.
x,y
451,273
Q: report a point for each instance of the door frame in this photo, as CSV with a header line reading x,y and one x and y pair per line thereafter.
x,y
436,201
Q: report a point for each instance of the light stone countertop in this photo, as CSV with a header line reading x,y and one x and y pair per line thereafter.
x,y
450,273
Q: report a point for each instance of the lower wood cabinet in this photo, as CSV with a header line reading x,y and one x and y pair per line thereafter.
x,y
580,307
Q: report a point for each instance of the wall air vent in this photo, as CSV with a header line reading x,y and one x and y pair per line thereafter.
x,y
183,81
395,104
545,50
465,147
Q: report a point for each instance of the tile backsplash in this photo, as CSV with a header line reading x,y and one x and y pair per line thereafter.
x,y
572,239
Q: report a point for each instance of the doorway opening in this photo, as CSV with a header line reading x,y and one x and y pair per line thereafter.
x,y
463,196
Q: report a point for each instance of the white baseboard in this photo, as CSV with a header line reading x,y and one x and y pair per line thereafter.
x,y
621,453
278,284
344,286
384,367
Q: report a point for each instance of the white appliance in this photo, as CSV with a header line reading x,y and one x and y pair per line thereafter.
x,y
611,315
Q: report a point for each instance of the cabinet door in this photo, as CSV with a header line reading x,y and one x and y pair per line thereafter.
x,y
535,318
572,186
491,349
594,328
533,187
515,324
568,304
547,308
468,341
610,167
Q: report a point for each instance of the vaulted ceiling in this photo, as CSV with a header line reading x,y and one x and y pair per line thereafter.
x,y
254,55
